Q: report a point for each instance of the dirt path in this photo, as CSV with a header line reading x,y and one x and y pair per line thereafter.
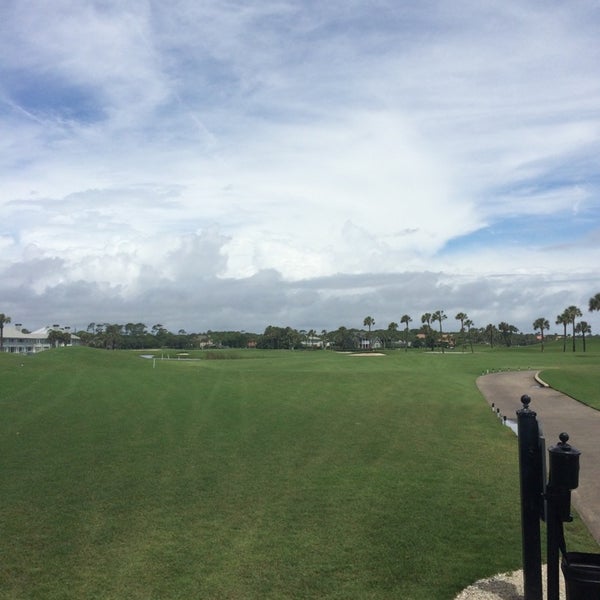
x,y
556,413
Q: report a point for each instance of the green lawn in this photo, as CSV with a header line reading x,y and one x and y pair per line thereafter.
x,y
268,475
581,380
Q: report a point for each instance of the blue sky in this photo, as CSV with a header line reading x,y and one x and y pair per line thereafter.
x,y
216,165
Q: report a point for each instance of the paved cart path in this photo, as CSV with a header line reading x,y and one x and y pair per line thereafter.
x,y
556,412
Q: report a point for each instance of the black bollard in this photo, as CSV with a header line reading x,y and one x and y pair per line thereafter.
x,y
564,477
531,477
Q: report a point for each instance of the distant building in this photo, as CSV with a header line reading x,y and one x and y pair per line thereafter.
x,y
370,344
18,342
312,342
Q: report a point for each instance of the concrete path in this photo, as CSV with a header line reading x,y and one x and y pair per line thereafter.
x,y
556,413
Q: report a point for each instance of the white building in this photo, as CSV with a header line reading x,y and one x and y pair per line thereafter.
x,y
15,341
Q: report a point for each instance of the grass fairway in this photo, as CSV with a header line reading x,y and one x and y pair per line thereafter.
x,y
299,475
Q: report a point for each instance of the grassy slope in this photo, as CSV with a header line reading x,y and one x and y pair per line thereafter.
x,y
299,475
580,380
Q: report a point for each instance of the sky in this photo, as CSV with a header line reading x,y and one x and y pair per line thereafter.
x,y
230,165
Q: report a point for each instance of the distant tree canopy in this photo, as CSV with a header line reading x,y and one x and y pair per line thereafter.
x,y
138,335
57,337
114,336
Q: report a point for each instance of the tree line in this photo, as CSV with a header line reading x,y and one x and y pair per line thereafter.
x,y
430,334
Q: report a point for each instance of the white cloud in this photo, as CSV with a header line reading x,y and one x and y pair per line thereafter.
x,y
234,152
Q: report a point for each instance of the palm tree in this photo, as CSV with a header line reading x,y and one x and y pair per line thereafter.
x,y
506,329
439,315
324,337
426,321
304,335
583,327
406,320
462,317
369,322
563,319
4,320
573,312
594,303
392,331
541,324
392,327
490,329
469,325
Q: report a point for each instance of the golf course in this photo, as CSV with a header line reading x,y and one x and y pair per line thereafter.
x,y
257,474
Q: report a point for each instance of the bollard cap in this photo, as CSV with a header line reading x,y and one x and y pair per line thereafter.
x,y
563,446
564,439
526,411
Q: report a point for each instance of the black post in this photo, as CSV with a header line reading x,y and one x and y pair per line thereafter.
x,y
531,480
553,536
564,477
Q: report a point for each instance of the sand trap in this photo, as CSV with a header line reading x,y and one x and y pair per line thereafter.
x,y
367,354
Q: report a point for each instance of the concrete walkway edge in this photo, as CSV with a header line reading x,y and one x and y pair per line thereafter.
x,y
556,413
